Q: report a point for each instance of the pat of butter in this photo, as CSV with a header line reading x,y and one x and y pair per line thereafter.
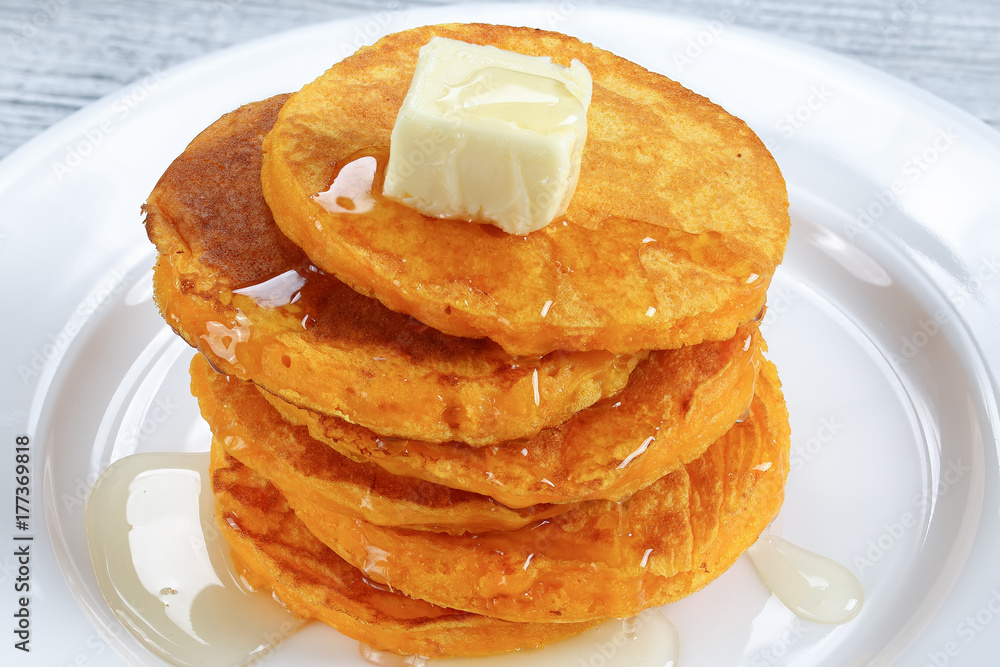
x,y
489,136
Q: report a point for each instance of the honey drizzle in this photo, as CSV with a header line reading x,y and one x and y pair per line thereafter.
x,y
164,568
374,656
814,587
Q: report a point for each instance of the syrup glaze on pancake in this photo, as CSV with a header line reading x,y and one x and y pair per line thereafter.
x,y
247,427
678,220
233,286
601,559
677,402
276,551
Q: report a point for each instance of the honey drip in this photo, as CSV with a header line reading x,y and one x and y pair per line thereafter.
x,y
351,190
281,290
385,659
815,587
164,567
754,360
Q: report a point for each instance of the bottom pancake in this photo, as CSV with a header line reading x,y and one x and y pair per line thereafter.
x,y
596,560
600,559
277,552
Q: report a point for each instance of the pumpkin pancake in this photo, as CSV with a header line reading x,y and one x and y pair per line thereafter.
x,y
677,223
248,428
276,551
601,559
677,402
233,286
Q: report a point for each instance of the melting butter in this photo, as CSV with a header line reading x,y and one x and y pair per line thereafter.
x,y
164,567
489,136
530,101
815,587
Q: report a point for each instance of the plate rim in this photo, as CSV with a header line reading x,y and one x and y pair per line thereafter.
x,y
17,163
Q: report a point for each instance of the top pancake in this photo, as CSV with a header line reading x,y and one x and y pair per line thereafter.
x,y
678,221
235,287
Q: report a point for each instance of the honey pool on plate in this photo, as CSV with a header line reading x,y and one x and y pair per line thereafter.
x,y
165,571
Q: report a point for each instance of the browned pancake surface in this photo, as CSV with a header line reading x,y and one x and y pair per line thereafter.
x,y
676,403
247,427
601,559
236,288
277,552
677,224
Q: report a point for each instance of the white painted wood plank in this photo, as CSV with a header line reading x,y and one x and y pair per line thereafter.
x,y
58,55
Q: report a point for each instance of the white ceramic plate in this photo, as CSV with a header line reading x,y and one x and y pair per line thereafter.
x,y
883,323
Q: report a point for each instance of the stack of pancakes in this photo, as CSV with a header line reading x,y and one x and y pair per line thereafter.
x,y
445,440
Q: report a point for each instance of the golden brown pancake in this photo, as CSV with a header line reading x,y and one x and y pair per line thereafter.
x,y
248,428
601,559
678,220
277,552
677,402
233,286
480,454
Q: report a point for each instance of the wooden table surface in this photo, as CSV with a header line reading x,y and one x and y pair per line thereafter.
x,y
56,56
